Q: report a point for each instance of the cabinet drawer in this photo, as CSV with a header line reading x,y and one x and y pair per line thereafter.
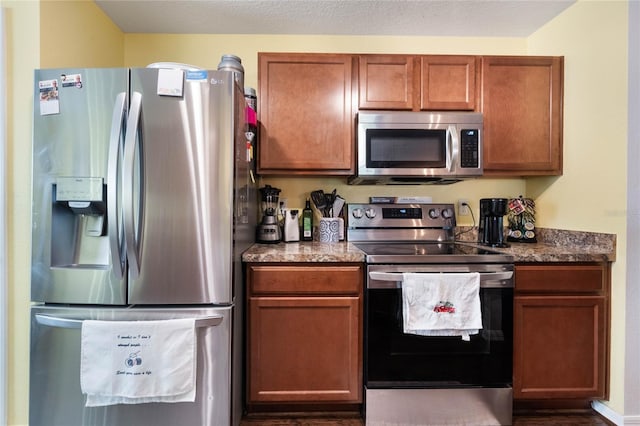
x,y
343,279
561,278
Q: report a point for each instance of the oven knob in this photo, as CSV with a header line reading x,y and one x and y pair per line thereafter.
x,y
447,213
434,213
357,213
371,213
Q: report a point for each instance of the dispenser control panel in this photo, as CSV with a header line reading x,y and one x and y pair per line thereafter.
x,y
79,189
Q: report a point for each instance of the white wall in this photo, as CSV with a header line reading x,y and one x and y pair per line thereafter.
x,y
632,324
3,231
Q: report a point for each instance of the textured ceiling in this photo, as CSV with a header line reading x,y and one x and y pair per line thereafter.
x,y
463,18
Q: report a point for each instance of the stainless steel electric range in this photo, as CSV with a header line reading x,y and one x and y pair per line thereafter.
x,y
413,379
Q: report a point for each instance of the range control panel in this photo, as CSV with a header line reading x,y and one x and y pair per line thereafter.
x,y
401,216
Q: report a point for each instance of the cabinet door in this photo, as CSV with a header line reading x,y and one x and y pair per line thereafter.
x,y
559,347
522,106
386,82
304,349
305,114
448,82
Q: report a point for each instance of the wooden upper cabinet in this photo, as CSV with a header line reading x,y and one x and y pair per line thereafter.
x,y
305,113
386,82
408,82
448,82
522,108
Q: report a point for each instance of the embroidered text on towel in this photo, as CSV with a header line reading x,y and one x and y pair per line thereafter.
x,y
133,362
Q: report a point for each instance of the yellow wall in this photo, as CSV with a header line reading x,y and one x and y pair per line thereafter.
x,y
44,34
76,33
22,50
590,196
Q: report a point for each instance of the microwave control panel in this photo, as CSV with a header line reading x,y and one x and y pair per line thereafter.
x,y
469,149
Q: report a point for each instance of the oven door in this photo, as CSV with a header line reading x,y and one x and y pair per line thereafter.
x,y
394,359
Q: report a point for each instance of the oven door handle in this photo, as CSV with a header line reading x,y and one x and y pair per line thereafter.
x,y
502,279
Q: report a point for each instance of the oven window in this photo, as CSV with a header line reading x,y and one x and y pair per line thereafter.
x,y
395,359
406,148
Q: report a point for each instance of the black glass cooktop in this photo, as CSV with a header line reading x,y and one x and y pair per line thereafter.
x,y
385,252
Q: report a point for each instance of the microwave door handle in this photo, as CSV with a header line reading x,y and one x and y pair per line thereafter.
x,y
113,180
70,323
133,139
452,141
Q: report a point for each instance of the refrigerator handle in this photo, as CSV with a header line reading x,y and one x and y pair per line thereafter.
x,y
116,236
133,140
58,322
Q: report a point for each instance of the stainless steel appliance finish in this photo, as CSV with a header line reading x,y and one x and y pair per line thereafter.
x,y
413,233
141,197
407,407
419,380
168,190
399,147
68,264
55,361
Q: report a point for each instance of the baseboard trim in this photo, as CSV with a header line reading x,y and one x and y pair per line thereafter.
x,y
614,416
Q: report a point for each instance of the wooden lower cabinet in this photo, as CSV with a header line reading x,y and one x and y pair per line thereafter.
x,y
561,331
304,340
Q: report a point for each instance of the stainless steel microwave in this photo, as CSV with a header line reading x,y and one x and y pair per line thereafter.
x,y
405,147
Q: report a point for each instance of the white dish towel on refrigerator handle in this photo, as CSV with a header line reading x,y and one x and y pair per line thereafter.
x,y
134,362
441,304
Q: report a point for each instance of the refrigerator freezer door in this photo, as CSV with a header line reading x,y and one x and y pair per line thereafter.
x,y
72,261
178,188
55,395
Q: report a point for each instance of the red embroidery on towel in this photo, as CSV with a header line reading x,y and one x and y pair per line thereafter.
x,y
445,307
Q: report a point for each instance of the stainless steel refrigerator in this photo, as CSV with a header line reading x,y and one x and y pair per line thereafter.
x,y
143,201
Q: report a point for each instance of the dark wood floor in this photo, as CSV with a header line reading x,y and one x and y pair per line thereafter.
x,y
564,419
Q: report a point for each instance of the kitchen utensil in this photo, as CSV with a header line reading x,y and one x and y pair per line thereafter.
x,y
328,205
329,199
338,204
319,200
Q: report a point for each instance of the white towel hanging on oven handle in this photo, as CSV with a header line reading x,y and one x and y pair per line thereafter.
x,y
441,304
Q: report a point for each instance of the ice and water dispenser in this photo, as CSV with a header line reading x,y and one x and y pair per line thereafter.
x,y
79,222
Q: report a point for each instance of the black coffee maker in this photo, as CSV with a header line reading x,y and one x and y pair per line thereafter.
x,y
491,228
